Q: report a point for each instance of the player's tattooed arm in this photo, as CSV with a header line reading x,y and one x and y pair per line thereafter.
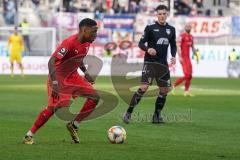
x,y
52,74
85,71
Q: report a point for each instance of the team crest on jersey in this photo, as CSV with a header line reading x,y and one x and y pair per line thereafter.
x,y
62,52
168,31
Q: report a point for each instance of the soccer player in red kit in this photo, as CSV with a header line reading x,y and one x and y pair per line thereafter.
x,y
184,45
65,83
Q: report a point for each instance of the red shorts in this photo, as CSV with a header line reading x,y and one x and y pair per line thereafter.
x,y
187,67
71,87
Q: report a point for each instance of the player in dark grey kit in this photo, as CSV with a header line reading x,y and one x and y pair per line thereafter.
x,y
155,41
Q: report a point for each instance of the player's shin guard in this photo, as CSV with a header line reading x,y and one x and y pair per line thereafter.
x,y
41,119
86,110
135,100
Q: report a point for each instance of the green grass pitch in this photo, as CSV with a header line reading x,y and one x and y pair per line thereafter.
x,y
206,126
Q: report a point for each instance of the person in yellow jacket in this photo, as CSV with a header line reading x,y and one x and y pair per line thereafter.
x,y
197,55
233,56
16,46
25,33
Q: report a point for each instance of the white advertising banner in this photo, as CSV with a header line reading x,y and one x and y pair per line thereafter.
x,y
31,65
202,26
213,62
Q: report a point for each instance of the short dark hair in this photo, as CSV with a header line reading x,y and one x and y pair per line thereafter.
x,y
87,22
161,7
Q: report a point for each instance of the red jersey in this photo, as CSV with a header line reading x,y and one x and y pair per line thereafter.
x,y
186,42
70,54
71,85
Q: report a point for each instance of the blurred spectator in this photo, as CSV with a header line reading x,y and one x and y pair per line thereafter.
x,y
5,3
9,11
220,12
233,56
228,3
199,3
142,6
108,5
182,7
208,12
66,5
197,56
199,6
134,6
55,5
120,8
194,10
84,5
99,10
25,33
116,7
216,2
36,2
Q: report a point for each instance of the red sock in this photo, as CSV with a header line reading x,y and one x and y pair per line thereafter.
x,y
179,81
87,108
187,84
41,119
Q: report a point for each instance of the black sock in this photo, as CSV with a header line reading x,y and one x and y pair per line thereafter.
x,y
161,99
135,100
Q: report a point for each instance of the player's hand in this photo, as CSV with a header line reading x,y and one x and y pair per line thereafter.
x,y
55,91
89,78
152,51
173,61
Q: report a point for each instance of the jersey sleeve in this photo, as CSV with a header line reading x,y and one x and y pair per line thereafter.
x,y
192,40
173,44
61,51
144,39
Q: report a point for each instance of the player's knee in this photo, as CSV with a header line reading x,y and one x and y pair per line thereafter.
x,y
140,92
164,91
144,87
189,76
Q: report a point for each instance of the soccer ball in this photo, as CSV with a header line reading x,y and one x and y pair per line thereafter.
x,y
117,135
